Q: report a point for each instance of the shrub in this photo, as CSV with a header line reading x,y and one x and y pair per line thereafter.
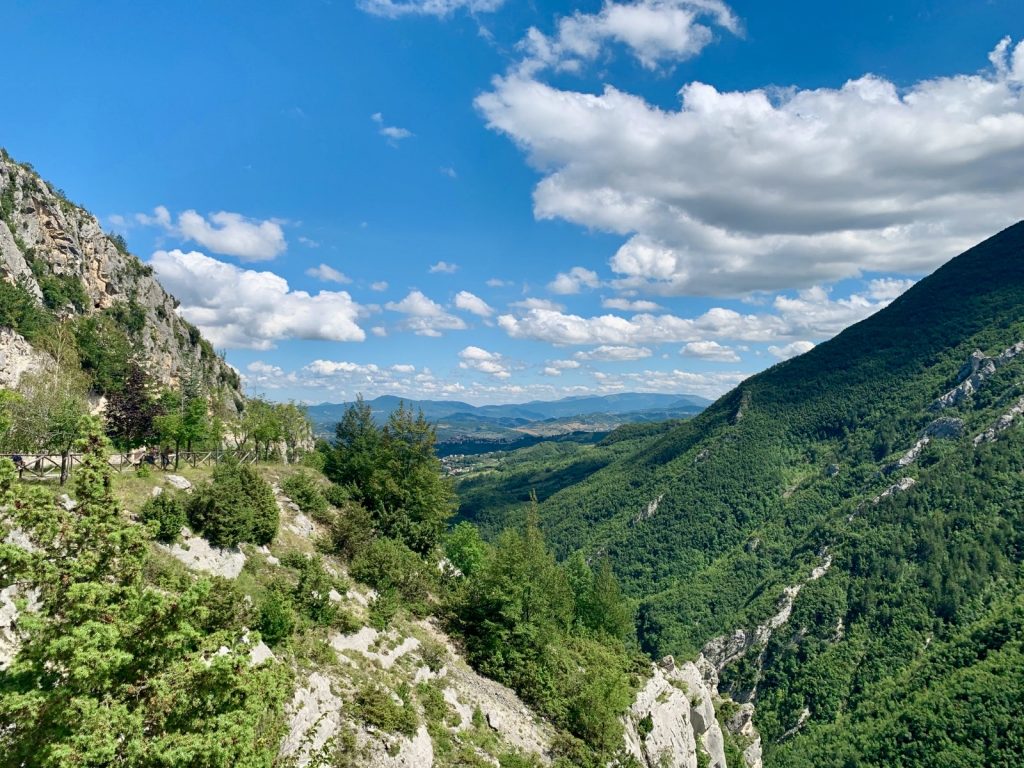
x,y
315,460
336,494
166,513
277,616
389,564
351,532
376,707
383,609
237,505
304,491
312,594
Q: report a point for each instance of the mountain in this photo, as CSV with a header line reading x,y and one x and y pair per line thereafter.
x,y
56,263
839,541
461,423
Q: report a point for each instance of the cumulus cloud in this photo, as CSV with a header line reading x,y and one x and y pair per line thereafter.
x,y
393,9
626,305
791,350
674,382
424,316
653,31
775,188
392,133
497,282
328,274
380,285
574,280
478,359
443,267
231,234
472,303
812,312
334,367
710,350
244,308
614,353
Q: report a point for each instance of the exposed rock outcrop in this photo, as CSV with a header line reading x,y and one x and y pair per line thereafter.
x,y
18,357
40,226
973,374
1004,422
197,554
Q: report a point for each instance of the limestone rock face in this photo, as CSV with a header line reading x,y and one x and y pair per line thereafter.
x,y
673,718
18,357
42,226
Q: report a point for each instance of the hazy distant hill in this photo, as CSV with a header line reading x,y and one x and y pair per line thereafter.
x,y
459,422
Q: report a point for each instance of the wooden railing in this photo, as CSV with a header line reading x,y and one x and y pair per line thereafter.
x,y
47,466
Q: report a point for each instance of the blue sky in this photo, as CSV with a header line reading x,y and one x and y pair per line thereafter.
x,y
504,201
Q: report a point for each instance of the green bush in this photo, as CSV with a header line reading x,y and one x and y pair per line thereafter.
x,y
303,489
336,494
276,615
20,312
376,707
351,532
61,290
236,505
166,513
389,564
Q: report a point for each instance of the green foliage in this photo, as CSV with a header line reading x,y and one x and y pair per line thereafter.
x,y
305,491
376,706
104,351
167,514
61,291
517,616
351,532
236,505
466,549
20,312
112,671
393,472
129,315
276,614
387,564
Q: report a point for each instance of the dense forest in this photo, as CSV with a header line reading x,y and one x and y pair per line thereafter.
x,y
907,651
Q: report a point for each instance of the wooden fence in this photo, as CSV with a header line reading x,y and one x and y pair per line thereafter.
x,y
47,466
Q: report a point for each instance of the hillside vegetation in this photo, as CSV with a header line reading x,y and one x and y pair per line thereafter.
x,y
906,651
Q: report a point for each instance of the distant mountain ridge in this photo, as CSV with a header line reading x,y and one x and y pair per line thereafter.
x,y
457,420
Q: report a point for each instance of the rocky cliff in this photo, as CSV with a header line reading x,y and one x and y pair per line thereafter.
x,y
58,253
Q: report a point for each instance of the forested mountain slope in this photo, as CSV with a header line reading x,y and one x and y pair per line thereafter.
x,y
890,452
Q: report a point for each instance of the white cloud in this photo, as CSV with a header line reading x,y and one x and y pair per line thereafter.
x,y
774,188
791,350
392,133
424,316
380,285
334,367
161,218
626,305
379,331
447,170
308,242
614,353
328,274
259,367
497,282
674,382
233,234
710,350
471,303
243,308
393,9
443,267
227,233
887,289
573,281
562,364
478,359
654,32
403,368
811,312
